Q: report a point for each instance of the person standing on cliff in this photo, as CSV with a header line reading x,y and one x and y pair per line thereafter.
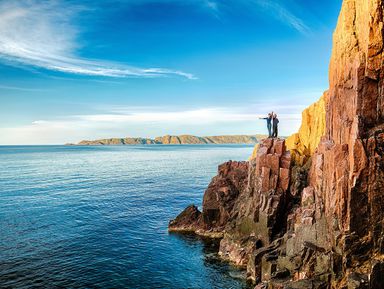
x,y
269,123
275,122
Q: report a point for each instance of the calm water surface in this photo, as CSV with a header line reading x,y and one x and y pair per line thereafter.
x,y
96,217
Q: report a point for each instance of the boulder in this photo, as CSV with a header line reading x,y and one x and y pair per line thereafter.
x,y
188,220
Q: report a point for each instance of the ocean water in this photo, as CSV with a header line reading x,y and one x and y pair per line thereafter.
x,y
96,217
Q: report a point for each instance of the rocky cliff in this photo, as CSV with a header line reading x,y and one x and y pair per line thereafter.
x,y
182,139
311,216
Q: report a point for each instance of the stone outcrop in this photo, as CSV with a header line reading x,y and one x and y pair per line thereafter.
x,y
188,221
218,203
313,217
222,193
259,212
245,203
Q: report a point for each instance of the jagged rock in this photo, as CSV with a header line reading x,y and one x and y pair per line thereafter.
x,y
260,210
222,194
218,203
187,221
246,201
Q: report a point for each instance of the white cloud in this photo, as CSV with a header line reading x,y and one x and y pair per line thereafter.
x,y
198,116
284,15
41,34
147,123
10,87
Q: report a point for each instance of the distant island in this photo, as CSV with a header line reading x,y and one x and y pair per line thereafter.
x,y
172,139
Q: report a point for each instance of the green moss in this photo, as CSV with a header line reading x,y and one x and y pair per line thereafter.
x,y
246,227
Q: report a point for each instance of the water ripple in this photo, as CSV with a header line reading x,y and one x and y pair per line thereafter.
x,y
96,217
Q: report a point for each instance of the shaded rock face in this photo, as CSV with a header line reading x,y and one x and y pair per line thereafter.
x,y
218,203
318,223
222,193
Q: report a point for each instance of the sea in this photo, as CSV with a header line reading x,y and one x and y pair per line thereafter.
x,y
97,216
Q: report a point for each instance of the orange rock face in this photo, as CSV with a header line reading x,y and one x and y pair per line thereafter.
x,y
304,143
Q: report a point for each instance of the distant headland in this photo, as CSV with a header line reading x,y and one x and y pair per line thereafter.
x,y
174,139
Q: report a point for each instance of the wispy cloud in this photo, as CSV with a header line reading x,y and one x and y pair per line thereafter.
x,y
273,8
42,34
284,15
9,87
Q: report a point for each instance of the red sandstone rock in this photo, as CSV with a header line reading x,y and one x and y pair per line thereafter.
x,y
284,177
308,197
285,160
219,200
222,193
260,210
279,147
265,176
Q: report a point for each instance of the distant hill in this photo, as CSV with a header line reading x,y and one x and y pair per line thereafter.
x,y
181,139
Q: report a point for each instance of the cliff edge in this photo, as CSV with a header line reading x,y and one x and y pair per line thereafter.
x,y
308,212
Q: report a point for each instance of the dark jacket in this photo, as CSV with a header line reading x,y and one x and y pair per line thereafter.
x,y
269,119
275,122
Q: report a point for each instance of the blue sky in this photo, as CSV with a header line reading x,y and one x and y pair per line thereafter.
x,y
72,70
